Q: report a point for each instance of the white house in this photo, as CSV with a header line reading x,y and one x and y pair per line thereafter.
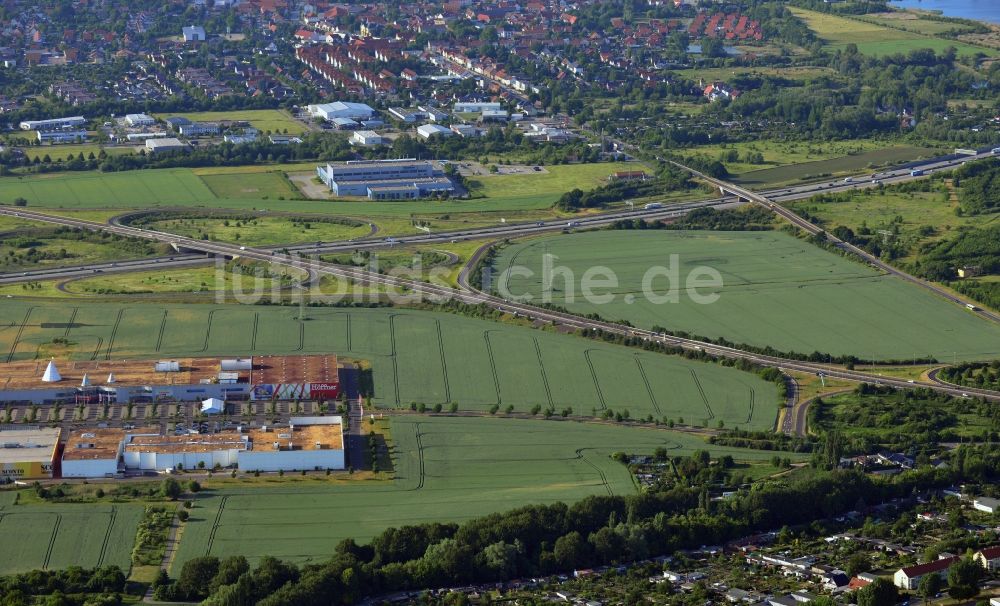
x,y
909,577
988,558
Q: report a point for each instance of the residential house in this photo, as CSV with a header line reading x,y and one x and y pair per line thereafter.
x,y
988,558
909,576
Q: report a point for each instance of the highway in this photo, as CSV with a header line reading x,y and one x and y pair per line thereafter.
x,y
440,293
887,177
511,230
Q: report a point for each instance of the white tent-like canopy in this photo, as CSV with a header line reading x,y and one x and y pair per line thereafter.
x,y
212,406
51,373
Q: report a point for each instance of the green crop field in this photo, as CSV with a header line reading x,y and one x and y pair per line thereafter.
x,y
261,231
777,290
803,156
872,39
416,356
258,187
841,165
61,151
274,120
133,189
530,188
59,536
447,469
882,209
242,185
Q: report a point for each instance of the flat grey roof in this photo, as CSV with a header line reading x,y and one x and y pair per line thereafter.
x,y
28,445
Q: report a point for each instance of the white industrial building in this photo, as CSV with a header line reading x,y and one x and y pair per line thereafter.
x,y
477,107
188,451
385,179
27,452
62,136
72,122
166,144
139,120
93,453
427,131
309,443
366,137
496,115
198,129
341,109
193,33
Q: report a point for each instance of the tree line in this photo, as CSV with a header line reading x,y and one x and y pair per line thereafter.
x,y
541,539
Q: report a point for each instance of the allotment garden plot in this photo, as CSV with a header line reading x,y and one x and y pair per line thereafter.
x,y
777,291
416,356
447,469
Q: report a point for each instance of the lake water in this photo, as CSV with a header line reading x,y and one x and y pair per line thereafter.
x,y
980,10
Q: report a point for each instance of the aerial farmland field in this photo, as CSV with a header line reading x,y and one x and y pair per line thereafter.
x,y
134,189
58,536
777,291
259,187
872,39
447,469
416,356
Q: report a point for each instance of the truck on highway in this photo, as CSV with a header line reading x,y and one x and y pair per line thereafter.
x,y
653,205
995,151
916,172
971,307
573,224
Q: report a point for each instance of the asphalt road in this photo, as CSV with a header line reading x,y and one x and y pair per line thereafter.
x,y
438,292
509,230
899,175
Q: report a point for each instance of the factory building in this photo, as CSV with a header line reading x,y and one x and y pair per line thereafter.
x,y
27,452
70,123
139,120
180,380
340,109
145,452
62,136
165,144
308,443
93,453
477,107
385,179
